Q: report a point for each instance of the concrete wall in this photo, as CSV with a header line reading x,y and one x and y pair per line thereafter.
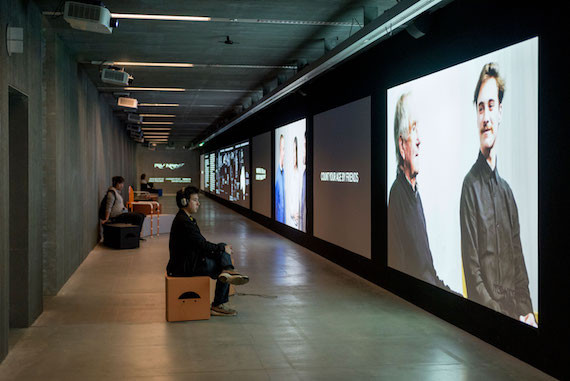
x,y
85,147
22,72
74,144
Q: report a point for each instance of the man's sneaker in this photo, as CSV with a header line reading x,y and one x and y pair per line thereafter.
x,y
233,277
222,310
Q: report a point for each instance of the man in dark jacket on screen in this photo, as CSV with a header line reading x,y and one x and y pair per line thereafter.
x,y
408,244
491,249
192,255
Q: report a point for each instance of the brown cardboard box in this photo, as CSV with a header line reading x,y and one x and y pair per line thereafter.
x,y
187,298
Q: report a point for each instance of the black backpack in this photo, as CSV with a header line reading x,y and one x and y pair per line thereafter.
x,y
103,206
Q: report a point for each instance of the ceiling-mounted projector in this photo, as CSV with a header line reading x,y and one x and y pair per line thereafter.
x,y
115,77
91,18
136,135
133,127
134,118
127,102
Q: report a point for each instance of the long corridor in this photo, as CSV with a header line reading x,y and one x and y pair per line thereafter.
x,y
300,318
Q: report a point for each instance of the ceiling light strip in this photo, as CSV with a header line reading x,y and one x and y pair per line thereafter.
x,y
190,65
237,66
141,16
157,123
176,89
137,16
150,64
159,104
158,115
286,22
178,105
383,26
154,89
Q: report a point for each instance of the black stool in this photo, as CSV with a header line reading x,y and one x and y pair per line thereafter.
x,y
121,236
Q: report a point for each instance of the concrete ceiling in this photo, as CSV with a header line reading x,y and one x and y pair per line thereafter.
x,y
213,94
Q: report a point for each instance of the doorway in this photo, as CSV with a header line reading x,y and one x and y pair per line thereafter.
x,y
18,209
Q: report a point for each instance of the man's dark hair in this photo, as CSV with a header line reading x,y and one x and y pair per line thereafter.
x,y
185,193
490,70
143,176
118,180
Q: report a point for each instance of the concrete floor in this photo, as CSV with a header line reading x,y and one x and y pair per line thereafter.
x,y
300,318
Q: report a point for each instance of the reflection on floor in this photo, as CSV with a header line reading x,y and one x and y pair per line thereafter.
x,y
300,318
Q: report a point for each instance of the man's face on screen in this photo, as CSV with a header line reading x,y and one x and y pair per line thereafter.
x,y
410,150
488,114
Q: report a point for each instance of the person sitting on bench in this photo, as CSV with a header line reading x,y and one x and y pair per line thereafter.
x,y
192,255
115,211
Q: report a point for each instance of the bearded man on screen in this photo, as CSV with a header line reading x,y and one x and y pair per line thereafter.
x,y
491,250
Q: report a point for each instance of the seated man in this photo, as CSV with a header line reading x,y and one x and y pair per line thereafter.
x,y
192,255
115,211
144,183
146,186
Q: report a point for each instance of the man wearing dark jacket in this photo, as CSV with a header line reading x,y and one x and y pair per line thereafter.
x,y
192,255
491,249
408,244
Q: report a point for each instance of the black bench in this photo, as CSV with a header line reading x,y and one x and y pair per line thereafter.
x,y
121,236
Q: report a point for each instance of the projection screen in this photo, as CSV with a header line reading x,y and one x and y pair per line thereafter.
x,y
341,185
462,186
290,175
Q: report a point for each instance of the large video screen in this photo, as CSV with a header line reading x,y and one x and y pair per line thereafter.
x,y
261,174
232,173
341,185
290,175
463,179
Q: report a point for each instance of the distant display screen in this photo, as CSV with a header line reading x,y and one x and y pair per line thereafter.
x,y
463,179
341,185
261,184
232,173
211,173
202,173
290,175
207,172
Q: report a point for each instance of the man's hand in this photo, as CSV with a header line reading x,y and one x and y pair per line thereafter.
x,y
228,249
103,222
529,319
